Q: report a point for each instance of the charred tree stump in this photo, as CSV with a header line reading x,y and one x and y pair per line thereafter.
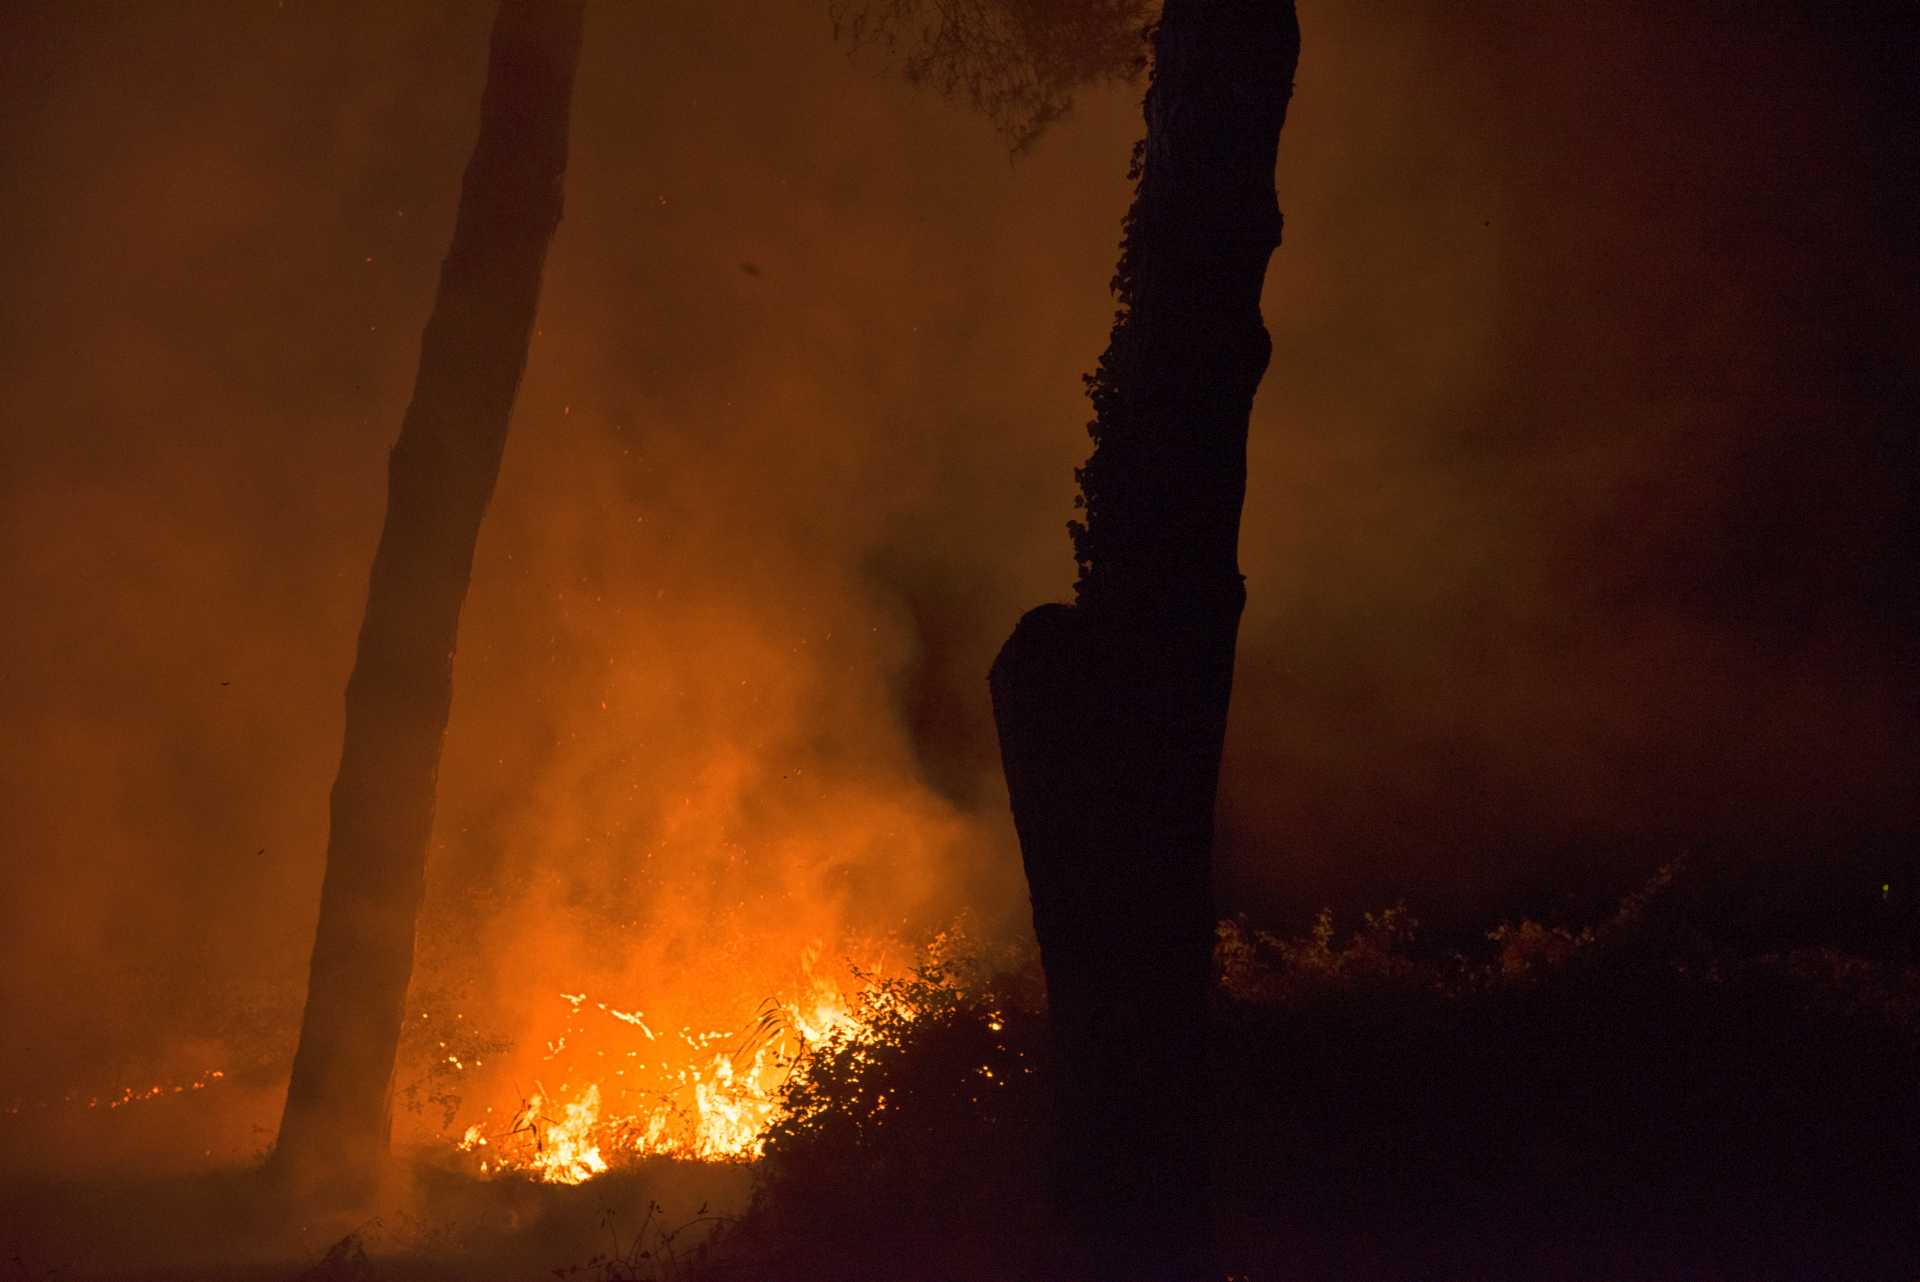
x,y
1112,711
441,476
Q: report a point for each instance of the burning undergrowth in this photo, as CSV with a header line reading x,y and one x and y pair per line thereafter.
x,y
601,1074
1629,1096
609,1088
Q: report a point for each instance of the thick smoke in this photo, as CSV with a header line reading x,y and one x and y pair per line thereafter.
x,y
1579,508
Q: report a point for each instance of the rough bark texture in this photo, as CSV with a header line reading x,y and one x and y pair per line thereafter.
x,y
440,478
1112,711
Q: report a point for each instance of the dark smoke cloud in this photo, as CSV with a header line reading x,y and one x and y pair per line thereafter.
x,y
1584,507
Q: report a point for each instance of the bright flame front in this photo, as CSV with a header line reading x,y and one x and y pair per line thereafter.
x,y
629,1091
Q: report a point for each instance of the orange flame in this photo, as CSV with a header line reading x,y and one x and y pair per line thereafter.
x,y
679,1097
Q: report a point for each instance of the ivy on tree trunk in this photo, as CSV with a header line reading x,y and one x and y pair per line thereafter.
x,y
1112,711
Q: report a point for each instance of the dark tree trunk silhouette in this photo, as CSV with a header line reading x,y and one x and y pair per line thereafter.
x,y
441,476
1112,711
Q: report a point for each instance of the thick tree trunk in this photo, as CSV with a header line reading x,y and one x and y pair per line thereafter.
x,y
1112,711
440,478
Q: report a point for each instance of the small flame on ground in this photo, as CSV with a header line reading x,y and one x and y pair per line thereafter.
x,y
119,1099
715,1105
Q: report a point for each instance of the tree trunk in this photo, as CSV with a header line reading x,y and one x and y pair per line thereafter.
x,y
1112,711
440,478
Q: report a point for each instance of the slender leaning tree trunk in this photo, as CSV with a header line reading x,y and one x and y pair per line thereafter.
x,y
440,478
1112,711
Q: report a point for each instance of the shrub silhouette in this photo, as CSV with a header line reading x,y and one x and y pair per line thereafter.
x,y
1626,1098
920,1136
